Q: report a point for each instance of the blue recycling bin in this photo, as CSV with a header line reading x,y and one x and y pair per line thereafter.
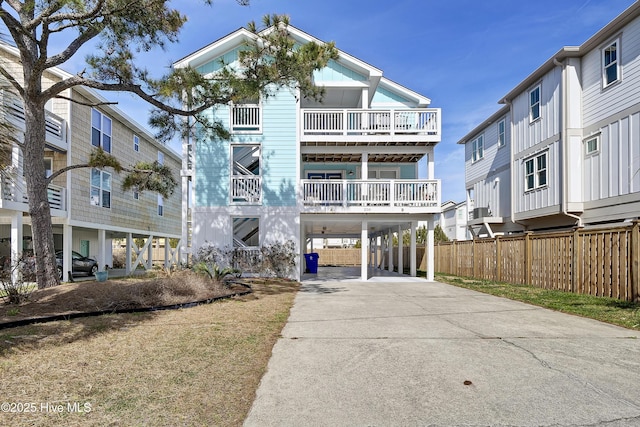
x,y
312,262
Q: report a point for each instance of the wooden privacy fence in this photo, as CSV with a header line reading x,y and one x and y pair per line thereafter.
x,y
351,257
599,262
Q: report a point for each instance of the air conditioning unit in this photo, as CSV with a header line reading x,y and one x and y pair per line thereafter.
x,y
481,213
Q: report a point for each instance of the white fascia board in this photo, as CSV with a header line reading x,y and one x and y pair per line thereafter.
x,y
215,49
130,123
344,58
483,126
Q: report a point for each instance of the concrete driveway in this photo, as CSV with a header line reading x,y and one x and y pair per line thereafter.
x,y
386,353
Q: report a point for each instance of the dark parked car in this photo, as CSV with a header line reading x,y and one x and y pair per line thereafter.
x,y
79,264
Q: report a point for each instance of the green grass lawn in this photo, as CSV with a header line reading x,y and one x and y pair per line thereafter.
x,y
610,310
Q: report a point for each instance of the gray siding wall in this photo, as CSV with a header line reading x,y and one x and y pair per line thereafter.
x,y
599,103
530,139
482,174
611,175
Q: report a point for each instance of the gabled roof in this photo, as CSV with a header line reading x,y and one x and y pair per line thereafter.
x,y
236,38
607,32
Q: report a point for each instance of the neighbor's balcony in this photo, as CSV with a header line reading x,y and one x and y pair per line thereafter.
x,y
55,126
354,125
14,195
371,196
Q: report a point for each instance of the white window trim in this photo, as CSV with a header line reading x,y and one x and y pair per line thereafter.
x,y
101,189
504,133
474,149
232,175
160,158
160,205
615,41
260,222
586,140
539,103
103,117
136,143
536,172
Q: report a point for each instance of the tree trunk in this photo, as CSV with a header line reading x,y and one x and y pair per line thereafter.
x,y
41,226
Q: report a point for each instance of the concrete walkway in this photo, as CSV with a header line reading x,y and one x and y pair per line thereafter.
x,y
398,353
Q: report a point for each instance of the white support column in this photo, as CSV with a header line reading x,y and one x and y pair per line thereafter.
x,y
383,249
16,243
375,252
364,251
430,249
412,250
430,164
167,263
372,247
400,251
127,261
150,253
390,242
101,250
67,244
365,166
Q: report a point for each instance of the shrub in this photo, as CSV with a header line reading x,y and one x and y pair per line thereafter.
x,y
214,262
13,288
279,259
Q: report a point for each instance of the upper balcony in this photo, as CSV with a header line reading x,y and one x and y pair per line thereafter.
x,y
371,196
417,125
55,126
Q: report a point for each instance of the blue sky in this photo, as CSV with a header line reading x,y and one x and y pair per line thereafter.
x,y
464,55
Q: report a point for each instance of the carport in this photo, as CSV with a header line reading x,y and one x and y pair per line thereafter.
x,y
375,231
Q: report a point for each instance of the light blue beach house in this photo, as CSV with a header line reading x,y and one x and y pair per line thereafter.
x,y
297,169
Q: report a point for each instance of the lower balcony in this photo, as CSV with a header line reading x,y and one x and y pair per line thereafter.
x,y
14,196
371,196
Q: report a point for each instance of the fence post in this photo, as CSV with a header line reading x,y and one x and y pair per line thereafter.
x,y
498,257
473,259
635,261
454,259
575,269
527,257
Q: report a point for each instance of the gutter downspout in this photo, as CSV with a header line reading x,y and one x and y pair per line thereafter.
x,y
511,167
565,145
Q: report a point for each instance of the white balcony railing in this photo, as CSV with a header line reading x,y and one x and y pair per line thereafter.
x,y
418,122
246,118
361,193
246,188
55,126
16,192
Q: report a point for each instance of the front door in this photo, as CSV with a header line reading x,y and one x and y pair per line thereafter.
x,y
326,193
324,175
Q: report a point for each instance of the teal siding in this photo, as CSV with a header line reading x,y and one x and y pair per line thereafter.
x,y
278,166
384,96
212,174
407,171
336,72
216,64
279,150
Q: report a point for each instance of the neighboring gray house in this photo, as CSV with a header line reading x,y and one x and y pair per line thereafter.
x,y
572,146
453,220
89,209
